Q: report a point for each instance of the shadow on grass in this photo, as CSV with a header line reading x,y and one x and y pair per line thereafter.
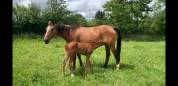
x,y
126,66
99,69
123,66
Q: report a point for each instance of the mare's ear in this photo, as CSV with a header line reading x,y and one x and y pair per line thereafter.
x,y
50,22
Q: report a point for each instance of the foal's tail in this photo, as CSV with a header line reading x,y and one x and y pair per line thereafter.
x,y
118,40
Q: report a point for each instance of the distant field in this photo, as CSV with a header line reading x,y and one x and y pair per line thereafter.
x,y
38,64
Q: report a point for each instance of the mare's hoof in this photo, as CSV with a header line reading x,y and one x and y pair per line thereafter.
x,y
117,67
104,66
72,75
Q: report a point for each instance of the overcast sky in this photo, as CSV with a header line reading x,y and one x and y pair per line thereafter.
x,y
87,8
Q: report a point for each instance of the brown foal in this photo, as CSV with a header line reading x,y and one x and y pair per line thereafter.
x,y
74,48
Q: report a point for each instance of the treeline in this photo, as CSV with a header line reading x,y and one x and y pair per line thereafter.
x,y
131,16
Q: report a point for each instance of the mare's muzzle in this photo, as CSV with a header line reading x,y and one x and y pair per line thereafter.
x,y
46,41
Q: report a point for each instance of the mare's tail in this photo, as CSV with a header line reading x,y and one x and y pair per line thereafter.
x,y
118,40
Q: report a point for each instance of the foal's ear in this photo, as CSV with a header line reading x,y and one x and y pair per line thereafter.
x,y
50,22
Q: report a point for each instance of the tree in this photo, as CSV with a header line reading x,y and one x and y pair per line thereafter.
x,y
127,14
100,18
99,15
33,14
159,20
75,19
56,11
34,20
26,19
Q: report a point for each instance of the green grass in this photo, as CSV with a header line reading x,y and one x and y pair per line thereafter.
x,y
38,64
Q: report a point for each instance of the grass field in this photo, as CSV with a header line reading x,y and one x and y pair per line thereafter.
x,y
38,64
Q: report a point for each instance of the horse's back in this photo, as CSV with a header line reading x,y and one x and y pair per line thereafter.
x,y
99,29
86,34
108,34
95,33
106,29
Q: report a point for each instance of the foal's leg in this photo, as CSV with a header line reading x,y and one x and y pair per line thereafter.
x,y
114,51
71,62
65,61
89,63
107,55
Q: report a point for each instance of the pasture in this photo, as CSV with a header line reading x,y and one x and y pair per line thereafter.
x,y
38,64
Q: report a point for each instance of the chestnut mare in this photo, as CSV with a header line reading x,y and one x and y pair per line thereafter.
x,y
104,33
74,48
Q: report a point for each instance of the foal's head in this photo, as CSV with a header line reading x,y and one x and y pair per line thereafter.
x,y
52,30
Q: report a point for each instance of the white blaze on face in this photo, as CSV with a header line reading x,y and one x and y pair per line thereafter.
x,y
47,30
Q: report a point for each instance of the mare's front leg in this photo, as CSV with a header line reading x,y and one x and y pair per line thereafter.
x,y
88,64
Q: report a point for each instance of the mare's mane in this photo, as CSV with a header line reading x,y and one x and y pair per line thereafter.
x,y
61,27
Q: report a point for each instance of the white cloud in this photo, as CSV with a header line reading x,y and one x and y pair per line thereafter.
x,y
22,2
86,8
39,3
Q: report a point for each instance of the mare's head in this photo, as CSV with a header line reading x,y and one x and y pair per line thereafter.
x,y
51,31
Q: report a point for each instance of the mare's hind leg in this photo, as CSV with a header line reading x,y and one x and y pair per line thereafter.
x,y
116,55
107,55
80,60
74,61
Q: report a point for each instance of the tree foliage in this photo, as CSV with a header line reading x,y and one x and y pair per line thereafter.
x,y
74,19
34,20
100,18
26,19
99,15
131,16
56,11
159,18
